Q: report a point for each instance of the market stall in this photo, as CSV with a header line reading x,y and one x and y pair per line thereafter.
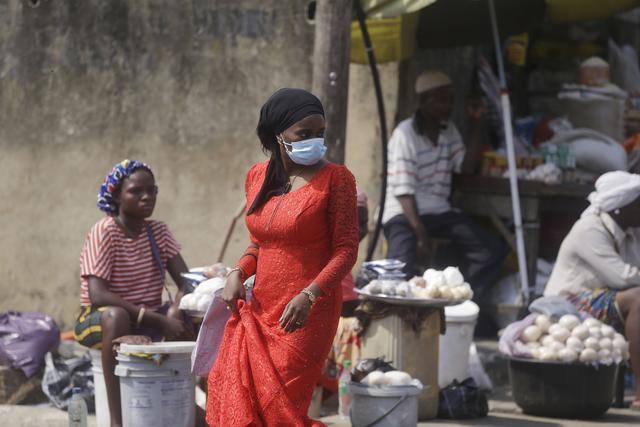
x,y
534,169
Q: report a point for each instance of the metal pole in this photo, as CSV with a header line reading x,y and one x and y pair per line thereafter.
x,y
511,157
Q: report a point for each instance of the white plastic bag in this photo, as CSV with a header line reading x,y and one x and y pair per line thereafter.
x,y
210,336
594,151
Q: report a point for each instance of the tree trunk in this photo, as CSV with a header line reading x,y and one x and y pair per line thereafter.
x,y
331,70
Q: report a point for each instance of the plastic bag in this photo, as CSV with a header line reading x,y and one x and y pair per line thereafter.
x,y
212,331
209,337
510,344
553,306
462,401
477,371
62,375
595,152
25,338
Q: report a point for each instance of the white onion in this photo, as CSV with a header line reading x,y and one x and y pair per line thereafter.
x,y
531,333
467,292
618,343
560,334
581,332
575,344
397,378
445,292
535,352
403,290
568,355
534,344
418,282
543,322
569,321
434,277
421,293
546,340
604,354
607,361
554,327
388,288
556,346
432,291
591,322
616,355
375,378
548,354
594,332
607,331
458,292
606,343
453,277
374,287
588,355
619,336
592,343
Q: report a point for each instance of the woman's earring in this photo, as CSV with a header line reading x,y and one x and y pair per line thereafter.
x,y
617,212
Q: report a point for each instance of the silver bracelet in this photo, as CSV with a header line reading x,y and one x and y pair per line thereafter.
x,y
312,297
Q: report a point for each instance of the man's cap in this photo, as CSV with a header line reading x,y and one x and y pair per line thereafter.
x,y
431,79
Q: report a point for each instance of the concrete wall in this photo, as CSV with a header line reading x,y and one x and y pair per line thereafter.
x,y
86,83
363,148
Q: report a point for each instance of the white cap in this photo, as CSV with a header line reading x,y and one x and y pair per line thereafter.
x,y
431,79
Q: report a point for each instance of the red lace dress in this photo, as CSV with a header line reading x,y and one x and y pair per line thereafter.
x,y
263,376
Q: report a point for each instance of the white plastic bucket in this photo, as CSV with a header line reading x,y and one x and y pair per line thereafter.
x,y
157,395
100,391
453,363
384,406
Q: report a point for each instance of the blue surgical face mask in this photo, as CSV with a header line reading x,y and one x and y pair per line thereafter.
x,y
306,152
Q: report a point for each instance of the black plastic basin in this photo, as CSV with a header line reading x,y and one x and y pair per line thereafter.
x,y
561,390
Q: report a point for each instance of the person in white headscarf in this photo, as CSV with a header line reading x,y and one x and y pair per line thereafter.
x,y
598,266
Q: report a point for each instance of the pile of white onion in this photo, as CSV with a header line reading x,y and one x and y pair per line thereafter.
x,y
447,284
570,340
200,299
391,378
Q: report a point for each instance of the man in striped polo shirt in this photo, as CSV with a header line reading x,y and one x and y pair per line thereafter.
x,y
424,151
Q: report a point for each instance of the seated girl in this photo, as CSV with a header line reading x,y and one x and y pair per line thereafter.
x,y
122,272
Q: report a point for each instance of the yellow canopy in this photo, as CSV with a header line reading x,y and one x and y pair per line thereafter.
x,y
587,10
559,10
392,23
377,9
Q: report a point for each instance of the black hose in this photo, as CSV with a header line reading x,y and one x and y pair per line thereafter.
x,y
371,58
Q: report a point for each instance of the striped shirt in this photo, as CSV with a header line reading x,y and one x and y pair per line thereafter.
x,y
422,169
126,263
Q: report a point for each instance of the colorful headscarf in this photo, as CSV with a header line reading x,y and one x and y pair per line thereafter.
x,y
113,181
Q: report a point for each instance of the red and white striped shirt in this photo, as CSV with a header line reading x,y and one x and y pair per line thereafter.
x,y
126,263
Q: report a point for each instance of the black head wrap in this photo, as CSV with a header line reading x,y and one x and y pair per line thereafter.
x,y
281,111
287,107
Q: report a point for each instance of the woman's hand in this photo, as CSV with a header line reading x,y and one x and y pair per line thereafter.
x,y
233,290
295,313
172,328
475,108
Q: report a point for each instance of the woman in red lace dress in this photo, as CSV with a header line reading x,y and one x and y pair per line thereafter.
x,y
302,220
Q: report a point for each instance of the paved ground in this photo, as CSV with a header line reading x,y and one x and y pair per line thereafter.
x,y
503,414
503,411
